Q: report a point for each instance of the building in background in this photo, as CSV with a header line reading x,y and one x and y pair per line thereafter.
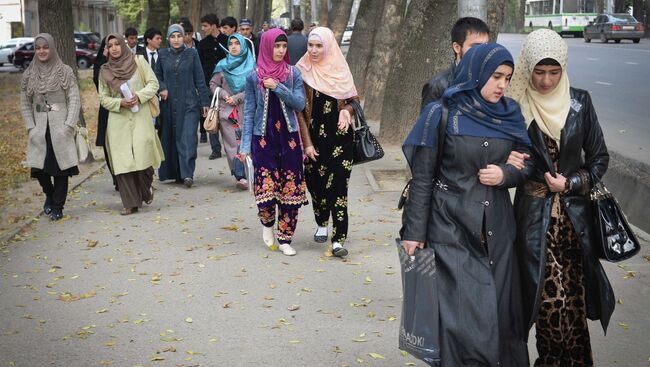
x,y
19,18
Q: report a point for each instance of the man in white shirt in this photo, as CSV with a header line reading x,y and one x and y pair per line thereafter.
x,y
131,35
153,41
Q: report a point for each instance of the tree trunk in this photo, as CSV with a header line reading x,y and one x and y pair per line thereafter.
x,y
258,13
241,10
158,14
49,21
638,9
184,8
362,43
382,55
620,6
521,15
340,17
426,52
323,12
268,9
221,8
600,6
495,17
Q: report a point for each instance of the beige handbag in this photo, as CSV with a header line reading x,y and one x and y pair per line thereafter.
x,y
154,105
211,123
84,153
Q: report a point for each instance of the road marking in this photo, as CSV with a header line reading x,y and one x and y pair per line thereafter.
x,y
603,83
631,63
592,59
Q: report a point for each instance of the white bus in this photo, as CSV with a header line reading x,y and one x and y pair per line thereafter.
x,y
563,16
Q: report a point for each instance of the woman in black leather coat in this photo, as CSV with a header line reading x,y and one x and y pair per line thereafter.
x,y
465,214
563,282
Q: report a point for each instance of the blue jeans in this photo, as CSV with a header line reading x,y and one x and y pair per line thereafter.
x,y
214,142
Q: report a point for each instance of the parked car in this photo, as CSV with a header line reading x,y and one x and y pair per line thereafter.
x,y
614,27
347,35
24,55
8,48
87,40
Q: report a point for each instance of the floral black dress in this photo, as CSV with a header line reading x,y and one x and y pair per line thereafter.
x,y
328,177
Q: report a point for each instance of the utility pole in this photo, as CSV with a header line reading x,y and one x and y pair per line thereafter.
x,y
473,8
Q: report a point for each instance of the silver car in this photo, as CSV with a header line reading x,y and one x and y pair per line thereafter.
x,y
8,48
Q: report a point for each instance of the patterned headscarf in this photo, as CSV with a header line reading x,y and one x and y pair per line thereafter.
x,y
49,75
236,68
266,67
548,110
116,72
332,74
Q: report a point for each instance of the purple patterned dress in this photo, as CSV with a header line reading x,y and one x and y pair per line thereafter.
x,y
279,177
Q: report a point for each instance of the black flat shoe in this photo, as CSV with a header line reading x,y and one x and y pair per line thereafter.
x,y
47,210
340,252
188,182
56,214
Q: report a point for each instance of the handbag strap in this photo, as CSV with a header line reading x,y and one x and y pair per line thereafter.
x,y
442,134
215,97
359,118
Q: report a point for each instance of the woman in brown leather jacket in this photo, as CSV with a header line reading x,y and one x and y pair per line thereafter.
x,y
327,137
563,282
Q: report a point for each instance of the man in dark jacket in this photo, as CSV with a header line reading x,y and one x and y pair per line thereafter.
x,y
246,30
210,53
467,32
297,42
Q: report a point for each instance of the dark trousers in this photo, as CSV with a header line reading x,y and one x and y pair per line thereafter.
x,y
55,192
108,164
215,144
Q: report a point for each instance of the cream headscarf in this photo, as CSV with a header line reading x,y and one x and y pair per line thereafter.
x,y
49,75
331,75
550,110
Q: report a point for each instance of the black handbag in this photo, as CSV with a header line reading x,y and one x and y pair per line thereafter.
x,y
615,240
366,146
442,133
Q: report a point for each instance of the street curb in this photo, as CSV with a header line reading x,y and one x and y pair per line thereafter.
x,y
629,180
10,234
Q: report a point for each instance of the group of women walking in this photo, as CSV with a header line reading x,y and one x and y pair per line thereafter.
x,y
297,134
501,269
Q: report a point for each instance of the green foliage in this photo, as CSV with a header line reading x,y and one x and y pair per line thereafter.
x,y
130,10
83,27
174,10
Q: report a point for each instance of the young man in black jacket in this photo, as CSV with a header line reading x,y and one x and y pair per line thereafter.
x,y
467,32
210,53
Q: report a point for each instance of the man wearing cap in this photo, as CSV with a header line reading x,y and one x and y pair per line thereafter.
x,y
246,30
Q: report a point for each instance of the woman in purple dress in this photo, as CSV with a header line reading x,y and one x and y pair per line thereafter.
x,y
273,95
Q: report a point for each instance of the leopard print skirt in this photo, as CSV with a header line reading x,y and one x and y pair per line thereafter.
x,y
562,333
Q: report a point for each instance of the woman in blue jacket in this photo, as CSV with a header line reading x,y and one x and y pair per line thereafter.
x,y
274,93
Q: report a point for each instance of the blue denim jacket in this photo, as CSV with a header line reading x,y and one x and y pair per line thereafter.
x,y
291,93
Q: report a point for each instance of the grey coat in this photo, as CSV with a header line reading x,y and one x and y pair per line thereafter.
x,y
62,126
471,227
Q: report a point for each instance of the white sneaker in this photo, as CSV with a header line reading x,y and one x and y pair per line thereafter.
x,y
268,236
287,249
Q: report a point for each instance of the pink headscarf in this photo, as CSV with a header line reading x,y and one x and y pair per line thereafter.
x,y
266,67
331,75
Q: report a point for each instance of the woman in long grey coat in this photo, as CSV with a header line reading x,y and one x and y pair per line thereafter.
x,y
184,97
463,211
50,103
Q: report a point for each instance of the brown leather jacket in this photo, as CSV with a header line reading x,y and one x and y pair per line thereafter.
x,y
304,117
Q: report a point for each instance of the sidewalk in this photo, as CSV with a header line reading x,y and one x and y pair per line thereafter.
x,y
187,281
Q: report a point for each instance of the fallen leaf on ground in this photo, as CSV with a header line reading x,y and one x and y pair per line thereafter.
x,y
376,356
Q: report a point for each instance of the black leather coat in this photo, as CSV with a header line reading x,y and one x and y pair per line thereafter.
x,y
435,87
472,229
581,135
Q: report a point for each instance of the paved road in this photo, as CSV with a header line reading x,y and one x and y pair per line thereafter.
x,y
618,78
188,282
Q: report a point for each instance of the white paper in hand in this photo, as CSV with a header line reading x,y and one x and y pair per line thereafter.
x,y
126,92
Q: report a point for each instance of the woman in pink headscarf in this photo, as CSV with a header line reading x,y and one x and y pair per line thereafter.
x,y
329,141
273,96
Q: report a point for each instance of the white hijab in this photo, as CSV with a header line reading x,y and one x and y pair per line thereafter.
x,y
548,110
